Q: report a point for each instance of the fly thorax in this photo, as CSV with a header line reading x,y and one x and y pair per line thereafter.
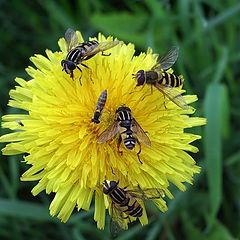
x,y
75,55
124,114
151,77
125,123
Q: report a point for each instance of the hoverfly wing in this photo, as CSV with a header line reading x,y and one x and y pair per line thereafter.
x,y
107,45
102,46
140,133
109,133
173,94
71,38
115,228
148,193
117,222
166,61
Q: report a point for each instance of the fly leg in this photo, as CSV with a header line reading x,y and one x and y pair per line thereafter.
x,y
80,76
71,73
138,153
138,90
118,144
164,102
148,94
89,71
141,191
112,171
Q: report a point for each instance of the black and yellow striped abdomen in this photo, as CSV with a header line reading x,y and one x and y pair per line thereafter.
x,y
125,119
122,199
99,107
161,77
165,78
132,207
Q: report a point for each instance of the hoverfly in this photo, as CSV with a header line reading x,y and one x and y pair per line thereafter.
x,y
128,128
99,107
125,203
165,82
80,52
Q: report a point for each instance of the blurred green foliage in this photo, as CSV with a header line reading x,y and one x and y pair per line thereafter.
x,y
208,34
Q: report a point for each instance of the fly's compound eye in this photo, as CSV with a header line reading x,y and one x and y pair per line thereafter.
x,y
108,186
140,78
70,65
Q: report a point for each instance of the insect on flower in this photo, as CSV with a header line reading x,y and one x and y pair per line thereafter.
x,y
99,107
125,203
165,82
129,130
58,139
80,52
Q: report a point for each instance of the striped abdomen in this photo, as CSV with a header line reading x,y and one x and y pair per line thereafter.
x,y
128,139
99,106
126,202
132,207
125,118
170,79
88,47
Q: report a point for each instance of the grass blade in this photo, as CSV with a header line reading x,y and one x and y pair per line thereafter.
x,y
24,210
216,99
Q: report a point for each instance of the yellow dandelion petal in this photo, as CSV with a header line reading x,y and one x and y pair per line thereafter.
x,y
99,215
61,142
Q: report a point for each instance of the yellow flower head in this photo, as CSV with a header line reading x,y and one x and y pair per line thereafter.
x,y
60,142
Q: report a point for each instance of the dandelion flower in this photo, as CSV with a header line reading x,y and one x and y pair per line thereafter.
x,y
59,140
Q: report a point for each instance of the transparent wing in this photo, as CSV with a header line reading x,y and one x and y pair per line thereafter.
x,y
109,133
166,61
148,193
103,46
117,223
71,38
173,94
115,228
140,133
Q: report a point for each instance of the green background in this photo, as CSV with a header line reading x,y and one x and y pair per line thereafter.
x,y
208,35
